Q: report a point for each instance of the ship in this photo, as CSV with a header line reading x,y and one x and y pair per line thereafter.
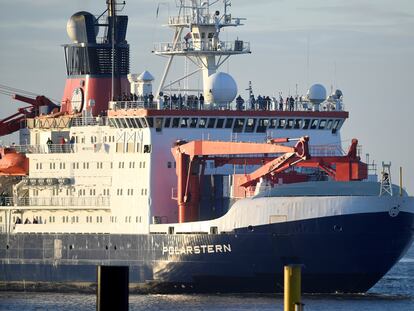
x,y
194,188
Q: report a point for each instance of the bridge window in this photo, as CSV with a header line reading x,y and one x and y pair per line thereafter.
x,y
281,123
193,123
184,122
262,125
123,122
298,123
229,123
306,123
202,123
220,123
118,123
250,125
150,122
289,123
273,124
322,124
329,124
314,124
128,120
143,122
175,122
211,123
238,125
167,122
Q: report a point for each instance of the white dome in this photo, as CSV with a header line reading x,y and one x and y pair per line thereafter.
x,y
145,76
317,94
220,88
76,26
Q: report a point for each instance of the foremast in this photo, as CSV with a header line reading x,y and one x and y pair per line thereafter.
x,y
201,45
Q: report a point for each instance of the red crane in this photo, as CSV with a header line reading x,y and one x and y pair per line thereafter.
x,y
272,158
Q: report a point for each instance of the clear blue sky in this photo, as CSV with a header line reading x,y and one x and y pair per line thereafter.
x,y
363,47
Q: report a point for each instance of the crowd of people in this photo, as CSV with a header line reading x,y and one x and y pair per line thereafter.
x,y
180,101
64,145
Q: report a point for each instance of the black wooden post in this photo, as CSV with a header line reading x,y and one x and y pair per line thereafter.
x,y
112,288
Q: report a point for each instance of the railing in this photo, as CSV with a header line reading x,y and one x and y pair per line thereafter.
x,y
325,150
220,46
48,148
55,201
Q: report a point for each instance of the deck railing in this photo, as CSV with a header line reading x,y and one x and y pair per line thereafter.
x,y
55,201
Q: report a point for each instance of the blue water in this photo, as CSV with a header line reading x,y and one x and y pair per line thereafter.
x,y
394,292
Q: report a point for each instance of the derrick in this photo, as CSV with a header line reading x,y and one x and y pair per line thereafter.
x,y
272,159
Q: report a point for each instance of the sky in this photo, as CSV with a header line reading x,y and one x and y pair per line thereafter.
x,y
363,47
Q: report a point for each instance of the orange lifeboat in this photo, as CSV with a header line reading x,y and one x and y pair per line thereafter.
x,y
13,163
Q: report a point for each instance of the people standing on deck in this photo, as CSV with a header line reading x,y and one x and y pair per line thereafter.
x,y
72,144
151,99
49,144
239,103
280,102
201,101
62,144
291,103
252,102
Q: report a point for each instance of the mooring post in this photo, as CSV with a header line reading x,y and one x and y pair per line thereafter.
x,y
112,288
292,288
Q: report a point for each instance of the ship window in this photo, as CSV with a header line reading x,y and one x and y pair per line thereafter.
x,y
281,123
273,124
85,165
289,123
336,124
322,124
128,121
158,124
147,148
211,35
220,123
250,125
202,123
169,164
138,122
184,122
143,122
131,123
196,36
167,122
314,124
118,123
123,122
262,126
175,122
150,122
298,123
229,123
193,122
238,125
305,124
119,147
329,124
111,123
211,123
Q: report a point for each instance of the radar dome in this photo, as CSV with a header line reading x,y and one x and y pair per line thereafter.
x,y
220,88
317,94
82,27
338,94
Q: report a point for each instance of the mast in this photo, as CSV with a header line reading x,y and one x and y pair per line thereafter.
x,y
197,37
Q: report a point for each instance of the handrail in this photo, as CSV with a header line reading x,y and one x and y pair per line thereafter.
x,y
54,201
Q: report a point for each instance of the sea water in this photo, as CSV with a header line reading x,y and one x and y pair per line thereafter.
x,y
395,292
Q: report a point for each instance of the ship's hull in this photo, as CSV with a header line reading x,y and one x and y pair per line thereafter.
x,y
339,254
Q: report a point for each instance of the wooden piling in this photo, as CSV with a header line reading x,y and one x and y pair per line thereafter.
x,y
112,288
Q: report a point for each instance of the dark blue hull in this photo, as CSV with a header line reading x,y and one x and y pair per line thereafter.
x,y
339,254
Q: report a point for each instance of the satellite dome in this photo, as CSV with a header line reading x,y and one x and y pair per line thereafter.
x,y
317,94
146,76
220,88
338,93
82,27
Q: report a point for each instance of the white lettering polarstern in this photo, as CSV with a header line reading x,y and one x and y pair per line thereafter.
x,y
196,249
